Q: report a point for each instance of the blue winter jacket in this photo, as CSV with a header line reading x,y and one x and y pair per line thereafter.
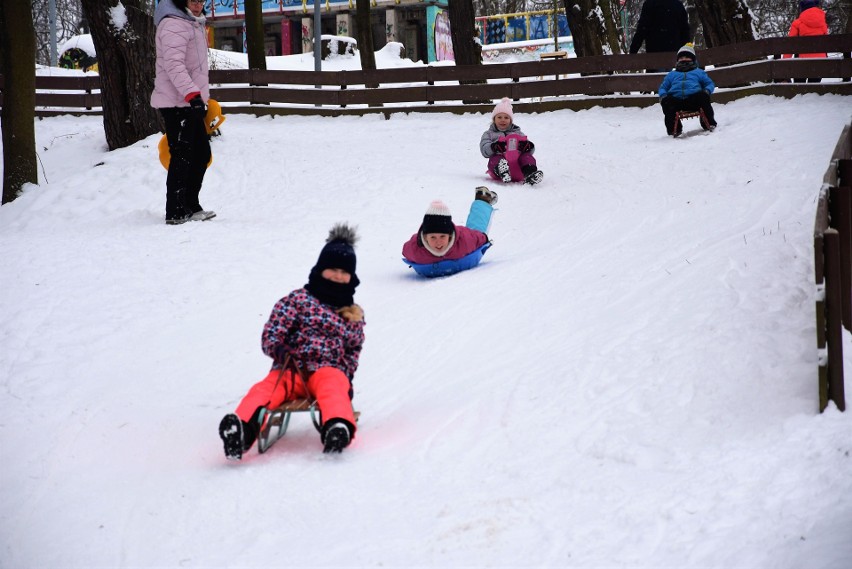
x,y
682,84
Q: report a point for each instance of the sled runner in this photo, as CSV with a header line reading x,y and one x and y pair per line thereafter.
x,y
512,153
449,266
683,115
273,423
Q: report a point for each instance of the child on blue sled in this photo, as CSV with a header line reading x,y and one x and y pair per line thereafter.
x,y
509,152
441,248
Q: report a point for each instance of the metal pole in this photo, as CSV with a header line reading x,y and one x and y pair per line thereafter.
x,y
317,37
52,17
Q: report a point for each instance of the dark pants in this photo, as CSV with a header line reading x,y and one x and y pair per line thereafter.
x,y
189,147
700,100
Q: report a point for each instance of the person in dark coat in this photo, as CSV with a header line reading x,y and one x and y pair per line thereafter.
x,y
663,26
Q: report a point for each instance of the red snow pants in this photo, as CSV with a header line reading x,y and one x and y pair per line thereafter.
x,y
328,385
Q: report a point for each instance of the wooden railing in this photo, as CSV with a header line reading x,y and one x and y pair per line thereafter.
x,y
617,80
833,270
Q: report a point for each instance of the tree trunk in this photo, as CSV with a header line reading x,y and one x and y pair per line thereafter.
x,y
364,36
18,115
466,49
724,21
846,6
594,26
254,35
126,64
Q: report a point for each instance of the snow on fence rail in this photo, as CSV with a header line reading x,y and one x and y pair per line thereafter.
x,y
614,80
833,270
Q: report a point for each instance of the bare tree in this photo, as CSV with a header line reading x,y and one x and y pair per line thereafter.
x,y
123,34
725,22
593,26
366,50
254,35
494,7
18,114
69,16
466,49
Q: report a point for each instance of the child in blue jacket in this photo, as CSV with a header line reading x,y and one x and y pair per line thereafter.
x,y
686,88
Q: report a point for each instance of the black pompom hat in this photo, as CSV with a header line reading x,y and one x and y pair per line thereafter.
x,y
339,250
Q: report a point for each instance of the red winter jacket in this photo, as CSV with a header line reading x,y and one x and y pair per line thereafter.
x,y
811,22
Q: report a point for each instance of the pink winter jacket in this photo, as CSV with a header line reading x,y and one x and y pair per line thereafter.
x,y
467,241
181,61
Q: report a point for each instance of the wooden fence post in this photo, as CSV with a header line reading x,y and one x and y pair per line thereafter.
x,y
820,226
841,220
834,332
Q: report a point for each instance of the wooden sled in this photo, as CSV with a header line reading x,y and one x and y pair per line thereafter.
x,y
683,115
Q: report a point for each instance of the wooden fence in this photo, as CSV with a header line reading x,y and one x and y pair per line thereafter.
x,y
617,80
833,270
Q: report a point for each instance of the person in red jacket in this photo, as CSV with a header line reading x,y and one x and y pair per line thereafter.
x,y
811,22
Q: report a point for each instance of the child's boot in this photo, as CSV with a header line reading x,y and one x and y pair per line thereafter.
x,y
532,175
502,171
335,436
486,195
231,432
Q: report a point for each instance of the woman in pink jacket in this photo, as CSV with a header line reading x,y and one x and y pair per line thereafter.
x,y
181,92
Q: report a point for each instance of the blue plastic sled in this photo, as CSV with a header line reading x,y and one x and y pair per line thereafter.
x,y
449,266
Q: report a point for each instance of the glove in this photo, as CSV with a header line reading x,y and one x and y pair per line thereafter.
x,y
525,146
499,147
199,109
352,313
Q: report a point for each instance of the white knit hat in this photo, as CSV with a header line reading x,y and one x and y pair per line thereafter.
x,y
504,106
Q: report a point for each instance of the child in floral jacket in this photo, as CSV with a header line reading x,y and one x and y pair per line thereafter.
x,y
321,328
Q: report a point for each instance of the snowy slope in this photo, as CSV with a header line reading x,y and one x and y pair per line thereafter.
x,y
628,380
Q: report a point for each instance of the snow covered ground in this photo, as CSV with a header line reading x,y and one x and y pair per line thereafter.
x,y
628,380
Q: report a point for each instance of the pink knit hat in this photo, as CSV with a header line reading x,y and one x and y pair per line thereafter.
x,y
504,106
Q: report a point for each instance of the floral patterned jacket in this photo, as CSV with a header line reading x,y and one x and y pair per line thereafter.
x,y
313,333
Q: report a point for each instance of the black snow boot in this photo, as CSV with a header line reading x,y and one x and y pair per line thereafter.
x,y
502,171
231,432
532,175
335,436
